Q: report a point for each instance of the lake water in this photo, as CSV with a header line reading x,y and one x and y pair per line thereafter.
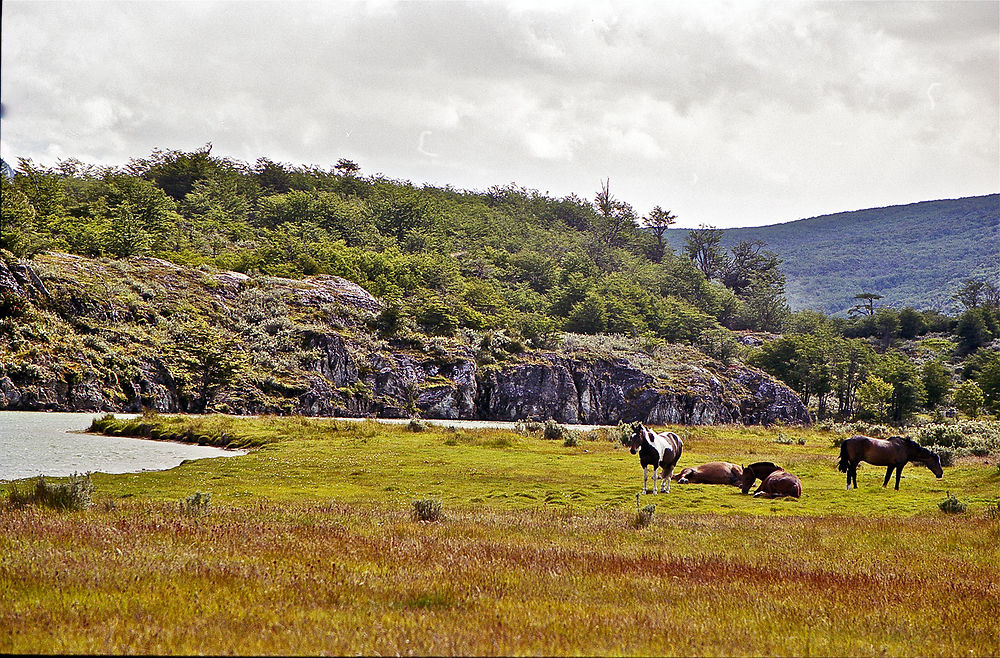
x,y
38,443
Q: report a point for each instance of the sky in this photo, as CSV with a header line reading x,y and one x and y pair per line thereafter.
x,y
726,113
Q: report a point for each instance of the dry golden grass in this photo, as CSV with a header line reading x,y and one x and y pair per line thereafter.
x,y
349,571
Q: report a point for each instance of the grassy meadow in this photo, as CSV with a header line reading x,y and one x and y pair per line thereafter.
x,y
309,547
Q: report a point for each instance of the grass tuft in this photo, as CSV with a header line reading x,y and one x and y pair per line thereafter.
x,y
427,509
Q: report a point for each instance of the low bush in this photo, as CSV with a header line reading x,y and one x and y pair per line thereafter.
x,y
946,455
72,495
571,440
952,505
427,509
416,426
644,515
196,504
553,430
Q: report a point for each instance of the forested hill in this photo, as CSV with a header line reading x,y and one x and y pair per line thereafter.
x,y
913,255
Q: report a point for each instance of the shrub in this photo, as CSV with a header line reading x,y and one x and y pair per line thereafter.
x,y
196,504
784,440
946,455
952,505
643,516
427,509
416,426
571,440
534,426
73,495
553,430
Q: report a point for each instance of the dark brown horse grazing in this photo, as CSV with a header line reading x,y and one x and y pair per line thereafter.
x,y
775,481
712,473
892,453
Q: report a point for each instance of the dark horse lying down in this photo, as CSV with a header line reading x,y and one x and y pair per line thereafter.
x,y
656,450
893,453
775,481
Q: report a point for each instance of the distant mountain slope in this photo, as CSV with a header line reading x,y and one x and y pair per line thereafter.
x,y
913,255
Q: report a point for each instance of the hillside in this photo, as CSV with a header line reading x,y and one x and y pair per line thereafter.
x,y
913,255
127,334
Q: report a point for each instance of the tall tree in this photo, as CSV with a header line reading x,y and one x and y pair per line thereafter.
x,y
658,222
617,216
865,305
704,250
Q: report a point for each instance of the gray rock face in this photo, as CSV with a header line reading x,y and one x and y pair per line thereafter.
x,y
345,378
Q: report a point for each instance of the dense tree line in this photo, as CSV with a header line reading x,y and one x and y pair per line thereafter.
x,y
507,258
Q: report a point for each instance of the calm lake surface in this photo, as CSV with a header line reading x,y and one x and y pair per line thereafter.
x,y
38,443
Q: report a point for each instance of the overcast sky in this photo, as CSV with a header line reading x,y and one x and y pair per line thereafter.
x,y
730,114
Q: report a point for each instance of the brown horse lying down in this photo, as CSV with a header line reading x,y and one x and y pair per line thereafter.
x,y
712,473
775,481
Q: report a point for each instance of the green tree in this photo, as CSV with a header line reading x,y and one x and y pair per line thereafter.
x,y
908,388
911,323
875,398
750,261
971,293
589,316
937,382
969,398
887,326
658,223
703,248
865,305
617,218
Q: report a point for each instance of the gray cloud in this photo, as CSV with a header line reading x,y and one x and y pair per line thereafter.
x,y
729,113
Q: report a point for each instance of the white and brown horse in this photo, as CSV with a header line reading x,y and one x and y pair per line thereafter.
x,y
661,451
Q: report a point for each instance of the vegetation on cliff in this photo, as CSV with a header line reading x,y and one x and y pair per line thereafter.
x,y
194,282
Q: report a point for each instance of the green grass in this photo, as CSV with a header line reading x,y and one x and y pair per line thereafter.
x,y
309,547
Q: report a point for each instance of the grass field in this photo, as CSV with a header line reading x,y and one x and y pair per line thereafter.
x,y
309,547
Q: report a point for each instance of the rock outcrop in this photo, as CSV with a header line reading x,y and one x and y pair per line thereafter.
x,y
178,339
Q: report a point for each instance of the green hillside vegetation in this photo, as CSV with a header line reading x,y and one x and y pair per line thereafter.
x,y
913,255
501,271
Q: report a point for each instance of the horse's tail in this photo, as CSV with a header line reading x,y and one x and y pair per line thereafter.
x,y
844,459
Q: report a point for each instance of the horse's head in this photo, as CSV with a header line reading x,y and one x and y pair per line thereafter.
x,y
933,462
749,477
636,438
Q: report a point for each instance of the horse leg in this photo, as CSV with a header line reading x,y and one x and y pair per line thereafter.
x,y
854,474
850,469
888,474
667,475
645,478
899,472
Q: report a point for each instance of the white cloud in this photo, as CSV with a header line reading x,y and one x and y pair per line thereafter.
x,y
774,110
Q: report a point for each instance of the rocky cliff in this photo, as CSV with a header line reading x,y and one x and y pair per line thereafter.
x,y
88,335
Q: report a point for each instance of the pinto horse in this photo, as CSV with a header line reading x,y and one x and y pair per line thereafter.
x,y
712,473
774,481
893,453
656,450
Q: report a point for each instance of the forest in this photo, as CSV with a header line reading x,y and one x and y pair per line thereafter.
x,y
515,263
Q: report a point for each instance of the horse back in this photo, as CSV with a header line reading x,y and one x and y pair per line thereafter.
x,y
878,452
782,483
672,448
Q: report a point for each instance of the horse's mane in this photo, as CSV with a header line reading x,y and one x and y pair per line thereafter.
x,y
912,445
761,464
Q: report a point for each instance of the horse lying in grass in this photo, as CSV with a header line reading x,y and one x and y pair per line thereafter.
x,y
893,453
661,451
775,481
712,473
